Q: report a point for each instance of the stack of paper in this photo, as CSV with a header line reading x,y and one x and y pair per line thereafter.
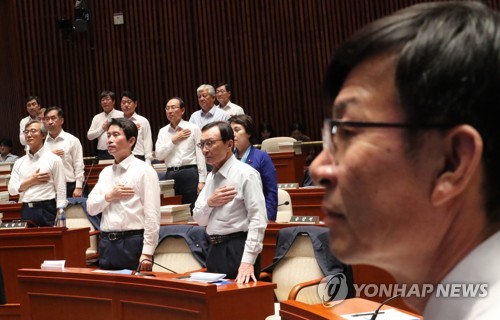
x,y
207,276
4,197
175,213
167,188
53,265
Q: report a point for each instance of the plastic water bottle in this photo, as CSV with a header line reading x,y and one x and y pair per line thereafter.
x,y
60,218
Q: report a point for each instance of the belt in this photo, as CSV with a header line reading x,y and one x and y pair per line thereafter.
x,y
120,234
181,167
39,203
217,238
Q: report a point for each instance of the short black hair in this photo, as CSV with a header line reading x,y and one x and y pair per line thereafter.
x,y
246,121
60,112
129,94
226,132
6,142
107,93
226,86
128,127
29,98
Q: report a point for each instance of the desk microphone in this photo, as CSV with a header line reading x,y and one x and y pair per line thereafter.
x,y
284,203
90,171
375,314
139,273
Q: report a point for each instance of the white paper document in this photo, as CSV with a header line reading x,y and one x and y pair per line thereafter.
x,y
53,265
207,276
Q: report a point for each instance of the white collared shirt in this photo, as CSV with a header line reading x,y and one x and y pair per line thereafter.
x,y
480,266
144,143
96,130
232,109
74,168
183,153
141,211
246,212
46,161
201,118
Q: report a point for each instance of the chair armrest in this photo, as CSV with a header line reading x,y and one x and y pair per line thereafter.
x,y
296,288
94,233
197,270
265,276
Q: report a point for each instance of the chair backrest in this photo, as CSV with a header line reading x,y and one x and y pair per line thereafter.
x,y
285,211
174,253
298,265
76,218
272,144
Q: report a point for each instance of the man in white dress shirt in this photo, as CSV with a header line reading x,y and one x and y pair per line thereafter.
x,y
33,108
209,111
101,121
411,156
223,93
232,206
176,146
128,195
69,149
39,176
144,146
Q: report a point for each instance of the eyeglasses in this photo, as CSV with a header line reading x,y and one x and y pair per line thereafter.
x,y
127,102
32,131
172,108
209,144
221,91
331,128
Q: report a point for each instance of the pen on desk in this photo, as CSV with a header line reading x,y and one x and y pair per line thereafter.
x,y
366,314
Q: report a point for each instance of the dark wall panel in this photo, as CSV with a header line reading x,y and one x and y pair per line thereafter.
x,y
274,53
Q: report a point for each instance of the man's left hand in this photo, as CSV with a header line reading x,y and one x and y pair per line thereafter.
x,y
245,273
77,193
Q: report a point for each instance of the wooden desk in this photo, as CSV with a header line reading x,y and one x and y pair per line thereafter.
x,y
307,201
289,166
10,312
11,211
294,310
80,294
28,248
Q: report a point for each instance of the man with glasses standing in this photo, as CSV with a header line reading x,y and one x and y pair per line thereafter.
x,y
223,93
232,207
39,176
209,111
33,108
410,163
176,146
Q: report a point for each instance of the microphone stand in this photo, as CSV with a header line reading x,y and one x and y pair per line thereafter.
x,y
139,273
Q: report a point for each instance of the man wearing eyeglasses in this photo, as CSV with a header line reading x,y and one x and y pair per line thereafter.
x,y
410,163
39,177
176,146
223,92
231,206
33,107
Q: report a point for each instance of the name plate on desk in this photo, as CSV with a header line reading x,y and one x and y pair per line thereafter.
x,y
14,225
304,219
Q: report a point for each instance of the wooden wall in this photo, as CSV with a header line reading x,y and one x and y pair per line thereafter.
x,y
274,54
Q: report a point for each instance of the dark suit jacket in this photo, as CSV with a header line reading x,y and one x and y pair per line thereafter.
x,y
195,237
327,262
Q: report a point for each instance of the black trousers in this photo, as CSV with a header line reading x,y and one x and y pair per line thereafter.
x,y
70,187
186,184
226,258
42,213
121,253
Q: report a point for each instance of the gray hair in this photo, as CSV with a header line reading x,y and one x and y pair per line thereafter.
x,y
203,87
